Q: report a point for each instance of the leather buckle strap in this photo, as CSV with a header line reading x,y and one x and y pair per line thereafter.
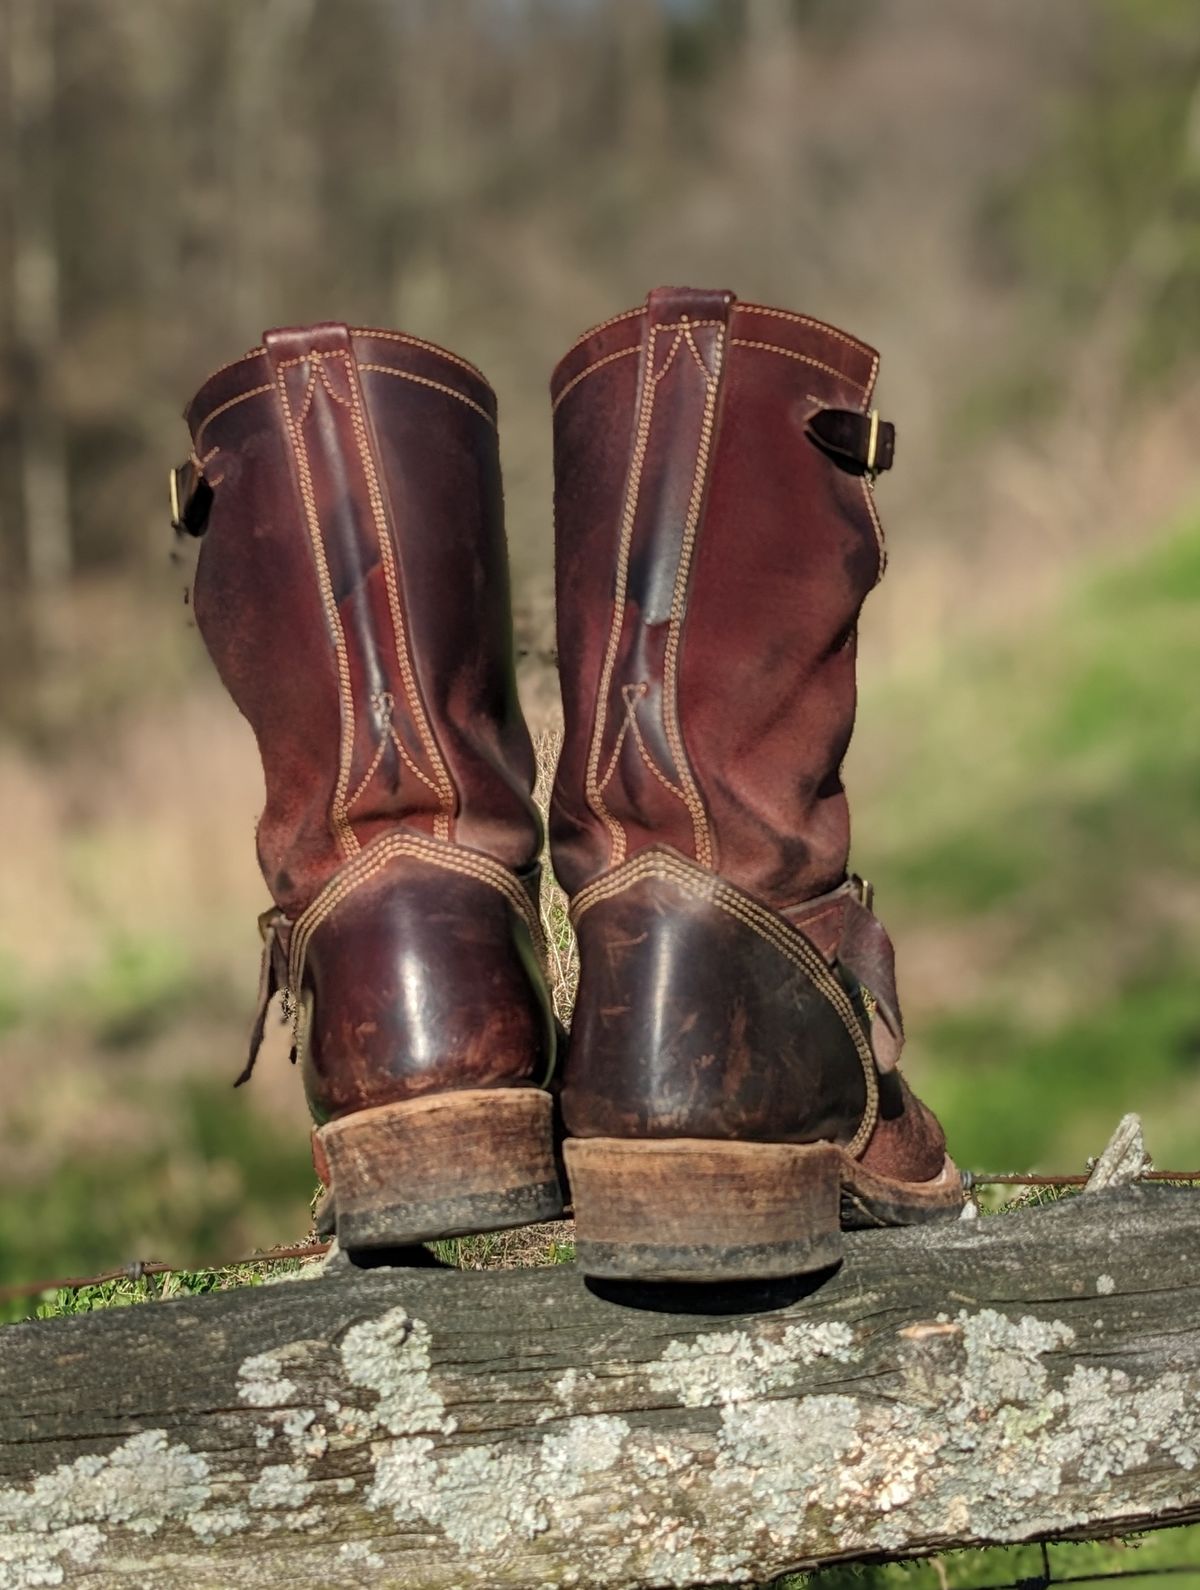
x,y
861,444
272,976
844,927
191,500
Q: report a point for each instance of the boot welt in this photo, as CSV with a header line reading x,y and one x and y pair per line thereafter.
x,y
691,1209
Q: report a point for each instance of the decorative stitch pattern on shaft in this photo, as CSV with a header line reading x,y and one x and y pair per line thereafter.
x,y
383,531
343,832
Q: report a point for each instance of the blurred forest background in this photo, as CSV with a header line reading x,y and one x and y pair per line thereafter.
x,y
1002,195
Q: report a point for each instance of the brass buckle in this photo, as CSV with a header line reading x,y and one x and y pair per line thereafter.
x,y
864,890
174,489
873,445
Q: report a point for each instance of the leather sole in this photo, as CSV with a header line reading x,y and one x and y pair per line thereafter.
x,y
452,1164
691,1209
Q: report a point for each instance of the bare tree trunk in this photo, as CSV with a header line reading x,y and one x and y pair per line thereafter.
x,y
35,294
262,34
433,88
639,25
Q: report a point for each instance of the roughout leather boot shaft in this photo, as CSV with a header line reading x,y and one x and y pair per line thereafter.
x,y
352,587
712,557
716,537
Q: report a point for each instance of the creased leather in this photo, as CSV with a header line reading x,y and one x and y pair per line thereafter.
x,y
852,937
421,982
716,537
352,588
687,1024
785,549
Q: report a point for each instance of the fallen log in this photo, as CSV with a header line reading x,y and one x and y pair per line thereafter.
x,y
1021,1376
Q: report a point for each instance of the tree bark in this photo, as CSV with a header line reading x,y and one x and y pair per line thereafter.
x,y
1016,1377
35,295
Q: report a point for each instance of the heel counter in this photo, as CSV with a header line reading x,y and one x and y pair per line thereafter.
x,y
419,970
703,1014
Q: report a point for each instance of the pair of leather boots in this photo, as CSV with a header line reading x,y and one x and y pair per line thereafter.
x,y
729,1099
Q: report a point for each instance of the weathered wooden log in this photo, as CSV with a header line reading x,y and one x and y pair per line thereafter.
x,y
1020,1376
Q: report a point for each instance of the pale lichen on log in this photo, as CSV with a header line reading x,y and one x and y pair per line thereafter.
x,y
1022,1376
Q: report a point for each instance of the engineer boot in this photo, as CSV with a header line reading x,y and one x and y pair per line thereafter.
x,y
352,587
730,1095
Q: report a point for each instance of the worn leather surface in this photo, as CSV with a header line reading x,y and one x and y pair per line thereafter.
x,y
850,936
720,724
352,587
688,1024
716,538
420,982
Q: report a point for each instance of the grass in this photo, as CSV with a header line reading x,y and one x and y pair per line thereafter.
x,y
67,1302
1031,824
526,1248
1172,1549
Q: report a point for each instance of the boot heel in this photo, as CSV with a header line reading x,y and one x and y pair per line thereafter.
x,y
688,1209
448,1165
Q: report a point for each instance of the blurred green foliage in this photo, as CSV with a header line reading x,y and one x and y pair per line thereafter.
x,y
1174,1549
221,1176
1052,794
1100,233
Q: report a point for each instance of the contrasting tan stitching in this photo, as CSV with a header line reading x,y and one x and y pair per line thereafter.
x,y
670,359
410,764
806,320
869,495
804,358
691,795
686,790
344,833
229,403
419,342
790,942
445,789
739,308
316,357
868,491
438,386
683,330
632,694
379,855
684,327
367,776
255,353
328,385
621,353
691,342
201,464
628,518
613,320
850,1197
685,321
614,758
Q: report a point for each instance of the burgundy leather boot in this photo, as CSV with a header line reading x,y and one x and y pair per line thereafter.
x,y
731,1094
352,587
